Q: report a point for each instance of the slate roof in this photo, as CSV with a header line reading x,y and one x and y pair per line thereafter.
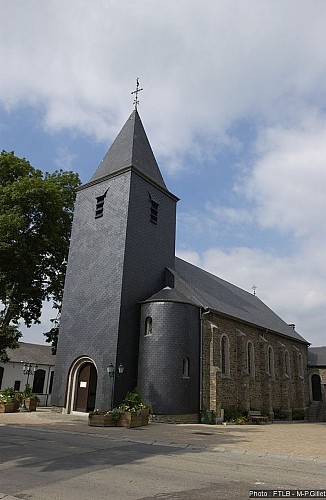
x,y
32,353
317,356
168,294
207,290
130,148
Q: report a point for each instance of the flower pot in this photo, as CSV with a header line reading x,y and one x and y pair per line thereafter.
x,y
16,405
30,404
144,416
101,421
7,407
130,419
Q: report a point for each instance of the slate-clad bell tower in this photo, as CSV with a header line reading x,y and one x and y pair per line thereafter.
x,y
123,238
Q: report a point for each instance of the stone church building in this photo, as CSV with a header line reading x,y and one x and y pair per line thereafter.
x,y
188,340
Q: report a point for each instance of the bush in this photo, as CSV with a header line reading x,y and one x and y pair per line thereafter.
x,y
232,413
264,412
298,414
279,414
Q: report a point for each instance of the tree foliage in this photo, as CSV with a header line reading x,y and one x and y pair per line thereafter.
x,y
36,212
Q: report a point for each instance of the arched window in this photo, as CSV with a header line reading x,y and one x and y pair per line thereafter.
x,y
270,361
250,359
316,387
185,367
300,365
38,383
148,326
51,382
225,356
286,364
1,375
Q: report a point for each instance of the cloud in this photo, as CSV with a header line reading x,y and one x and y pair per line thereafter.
x,y
288,285
209,71
288,181
203,65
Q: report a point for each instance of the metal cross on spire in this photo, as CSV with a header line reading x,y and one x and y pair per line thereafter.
x,y
136,102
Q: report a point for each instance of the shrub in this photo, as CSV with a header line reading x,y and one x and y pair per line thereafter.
x,y
264,412
298,414
233,413
279,414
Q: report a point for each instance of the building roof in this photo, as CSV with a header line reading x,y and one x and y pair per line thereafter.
x,y
131,148
168,294
317,356
32,353
207,290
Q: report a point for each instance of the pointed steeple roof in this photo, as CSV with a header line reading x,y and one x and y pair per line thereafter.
x,y
131,148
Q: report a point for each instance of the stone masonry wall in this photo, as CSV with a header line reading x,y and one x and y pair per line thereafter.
x,y
263,388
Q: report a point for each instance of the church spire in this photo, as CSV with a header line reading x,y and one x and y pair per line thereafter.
x,y
131,148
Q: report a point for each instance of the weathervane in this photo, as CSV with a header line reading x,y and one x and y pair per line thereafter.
x,y
136,102
254,288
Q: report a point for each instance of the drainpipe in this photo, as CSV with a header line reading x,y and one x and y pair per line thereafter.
x,y
203,312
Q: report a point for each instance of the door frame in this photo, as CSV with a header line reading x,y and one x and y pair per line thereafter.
x,y
73,381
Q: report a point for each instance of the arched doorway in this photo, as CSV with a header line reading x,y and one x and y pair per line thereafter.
x,y
316,387
86,388
81,387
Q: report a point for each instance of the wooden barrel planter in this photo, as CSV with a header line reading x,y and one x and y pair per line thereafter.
x,y
101,421
30,404
133,419
7,407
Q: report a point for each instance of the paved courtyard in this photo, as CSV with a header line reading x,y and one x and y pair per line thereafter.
x,y
292,440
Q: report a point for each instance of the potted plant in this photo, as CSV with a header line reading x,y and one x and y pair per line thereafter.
x,y
103,418
7,401
134,413
29,400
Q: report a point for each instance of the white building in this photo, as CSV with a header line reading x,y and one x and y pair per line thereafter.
x,y
12,375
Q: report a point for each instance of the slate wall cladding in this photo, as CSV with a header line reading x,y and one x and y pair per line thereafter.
x,y
91,304
239,388
175,336
114,262
150,248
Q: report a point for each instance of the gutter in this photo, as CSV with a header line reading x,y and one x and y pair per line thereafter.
x,y
203,311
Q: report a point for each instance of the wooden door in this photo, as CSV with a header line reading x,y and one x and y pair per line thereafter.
x,y
86,388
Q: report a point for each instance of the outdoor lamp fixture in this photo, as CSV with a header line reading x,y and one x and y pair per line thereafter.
x,y
112,371
28,369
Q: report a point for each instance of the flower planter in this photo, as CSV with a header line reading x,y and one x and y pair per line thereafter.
x,y
130,419
7,407
101,421
145,416
16,405
30,404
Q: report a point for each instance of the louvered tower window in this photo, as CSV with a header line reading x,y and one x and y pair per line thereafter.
x,y
154,211
100,206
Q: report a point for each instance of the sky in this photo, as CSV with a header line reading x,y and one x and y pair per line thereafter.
x,y
234,106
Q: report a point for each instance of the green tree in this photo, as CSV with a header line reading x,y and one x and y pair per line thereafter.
x,y
36,212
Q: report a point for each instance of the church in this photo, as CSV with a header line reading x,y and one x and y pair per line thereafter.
x,y
135,315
